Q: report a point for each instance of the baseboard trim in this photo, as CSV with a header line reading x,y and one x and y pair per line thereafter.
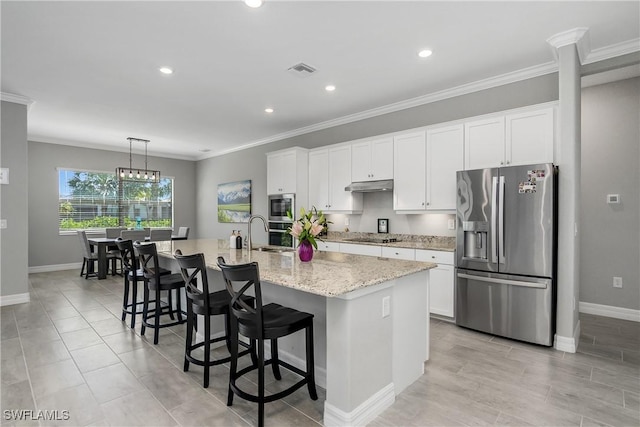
x,y
568,344
610,311
55,267
14,299
364,413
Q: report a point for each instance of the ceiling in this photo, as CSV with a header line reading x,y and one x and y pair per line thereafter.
x,y
91,67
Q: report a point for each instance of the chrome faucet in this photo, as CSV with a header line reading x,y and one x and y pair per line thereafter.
x,y
251,218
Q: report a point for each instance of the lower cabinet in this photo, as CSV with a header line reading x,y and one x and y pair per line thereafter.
x,y
328,246
441,281
349,248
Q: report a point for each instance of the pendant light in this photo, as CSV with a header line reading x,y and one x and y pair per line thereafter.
x,y
141,175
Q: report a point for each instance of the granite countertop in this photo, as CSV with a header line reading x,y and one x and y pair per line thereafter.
x,y
329,274
435,243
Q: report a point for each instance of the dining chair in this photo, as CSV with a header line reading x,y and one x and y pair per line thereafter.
x,y
157,283
201,301
261,323
113,232
183,234
160,234
134,235
89,258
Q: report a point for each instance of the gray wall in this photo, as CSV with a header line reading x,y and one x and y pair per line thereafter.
x,y
611,164
252,164
46,245
13,205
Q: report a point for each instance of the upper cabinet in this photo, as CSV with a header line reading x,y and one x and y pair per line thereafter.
x,y
372,160
329,173
287,171
444,158
409,172
512,139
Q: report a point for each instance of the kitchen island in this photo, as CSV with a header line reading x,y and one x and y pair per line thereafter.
x,y
370,319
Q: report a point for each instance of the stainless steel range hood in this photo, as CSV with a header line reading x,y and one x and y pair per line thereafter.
x,y
370,186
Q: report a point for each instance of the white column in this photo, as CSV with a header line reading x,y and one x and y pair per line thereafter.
x,y
569,46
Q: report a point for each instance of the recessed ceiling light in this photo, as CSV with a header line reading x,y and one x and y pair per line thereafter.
x,y
268,110
253,3
330,88
424,53
166,70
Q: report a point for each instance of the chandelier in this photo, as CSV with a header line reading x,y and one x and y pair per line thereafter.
x,y
136,174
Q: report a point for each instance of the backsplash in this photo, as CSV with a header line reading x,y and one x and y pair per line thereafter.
x,y
380,205
436,241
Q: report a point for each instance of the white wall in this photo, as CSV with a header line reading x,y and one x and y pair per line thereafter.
x,y
611,164
13,149
46,246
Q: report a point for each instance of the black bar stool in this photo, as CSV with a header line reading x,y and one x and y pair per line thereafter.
x,y
157,282
202,302
261,323
131,274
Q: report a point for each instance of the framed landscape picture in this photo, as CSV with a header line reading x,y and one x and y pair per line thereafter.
x,y
234,201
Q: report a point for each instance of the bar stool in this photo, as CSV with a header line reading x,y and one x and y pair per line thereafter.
x,y
131,274
261,323
202,302
157,282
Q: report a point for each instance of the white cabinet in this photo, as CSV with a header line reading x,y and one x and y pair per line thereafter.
x,y
444,158
372,160
514,139
398,253
328,246
329,173
286,171
409,172
529,137
370,250
441,281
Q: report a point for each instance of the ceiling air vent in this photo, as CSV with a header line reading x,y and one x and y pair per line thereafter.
x,y
302,70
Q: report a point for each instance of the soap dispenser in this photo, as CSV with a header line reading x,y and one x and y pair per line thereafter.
x,y
232,239
238,241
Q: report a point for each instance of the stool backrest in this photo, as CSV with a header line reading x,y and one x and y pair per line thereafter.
x,y
246,277
128,256
193,269
183,232
148,261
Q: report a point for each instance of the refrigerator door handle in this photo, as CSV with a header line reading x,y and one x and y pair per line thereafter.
x,y
503,281
494,222
501,254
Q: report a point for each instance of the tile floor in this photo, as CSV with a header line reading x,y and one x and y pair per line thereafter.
x,y
67,350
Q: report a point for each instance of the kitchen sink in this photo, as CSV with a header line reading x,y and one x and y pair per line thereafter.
x,y
275,250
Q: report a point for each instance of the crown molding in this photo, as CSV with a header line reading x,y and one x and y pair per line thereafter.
x,y
503,79
618,49
16,99
578,36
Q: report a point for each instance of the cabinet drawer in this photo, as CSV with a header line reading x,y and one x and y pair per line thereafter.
x,y
398,253
350,248
439,257
329,246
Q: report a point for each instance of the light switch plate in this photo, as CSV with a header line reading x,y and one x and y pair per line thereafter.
x,y
3,224
451,224
4,175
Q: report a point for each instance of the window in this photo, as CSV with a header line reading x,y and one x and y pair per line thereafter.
x,y
89,200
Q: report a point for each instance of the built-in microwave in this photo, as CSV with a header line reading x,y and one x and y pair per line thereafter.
x,y
279,205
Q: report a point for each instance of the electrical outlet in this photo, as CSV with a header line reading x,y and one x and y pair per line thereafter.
x,y
617,282
386,306
3,223
346,221
451,224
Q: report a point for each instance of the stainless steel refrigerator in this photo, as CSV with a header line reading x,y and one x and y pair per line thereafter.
x,y
506,251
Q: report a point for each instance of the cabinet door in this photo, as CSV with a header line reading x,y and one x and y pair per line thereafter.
x,y
361,161
274,174
444,158
441,286
339,178
370,250
318,179
409,164
398,253
530,137
288,178
484,143
382,159
328,246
